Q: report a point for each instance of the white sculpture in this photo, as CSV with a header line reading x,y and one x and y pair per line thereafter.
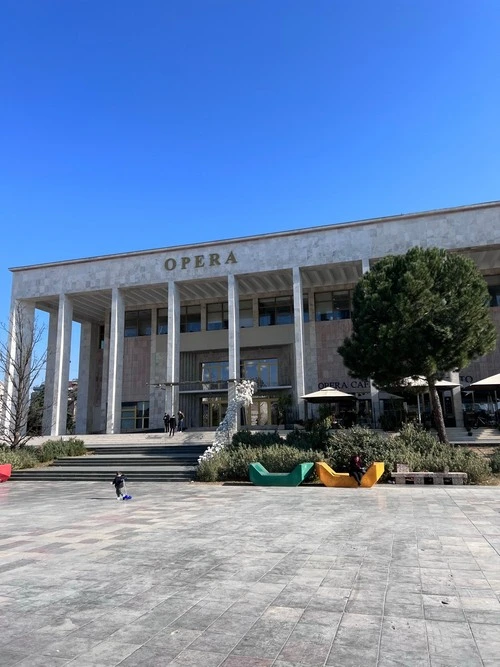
x,y
244,390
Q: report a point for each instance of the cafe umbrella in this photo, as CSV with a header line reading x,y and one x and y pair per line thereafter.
x,y
490,384
329,395
420,385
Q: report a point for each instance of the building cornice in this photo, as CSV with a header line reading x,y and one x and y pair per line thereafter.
x,y
271,235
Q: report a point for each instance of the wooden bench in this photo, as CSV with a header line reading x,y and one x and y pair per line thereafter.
x,y
261,477
329,477
408,477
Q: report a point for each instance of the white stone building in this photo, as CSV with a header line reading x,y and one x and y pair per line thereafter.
x,y
171,328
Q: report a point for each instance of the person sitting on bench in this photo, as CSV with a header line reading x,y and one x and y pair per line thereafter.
x,y
356,468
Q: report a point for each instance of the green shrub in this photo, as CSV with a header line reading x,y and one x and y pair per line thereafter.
x,y
30,457
427,453
413,446
232,464
371,445
257,439
495,461
315,438
18,458
54,449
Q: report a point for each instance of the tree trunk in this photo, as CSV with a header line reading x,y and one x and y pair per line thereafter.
x,y
437,412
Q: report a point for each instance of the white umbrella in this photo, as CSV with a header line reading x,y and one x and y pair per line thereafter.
x,y
382,395
420,381
491,383
327,395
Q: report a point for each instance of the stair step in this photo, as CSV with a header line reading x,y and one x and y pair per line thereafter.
x,y
180,474
83,477
122,463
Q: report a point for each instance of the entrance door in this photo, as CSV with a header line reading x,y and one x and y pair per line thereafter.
x,y
260,412
448,411
213,411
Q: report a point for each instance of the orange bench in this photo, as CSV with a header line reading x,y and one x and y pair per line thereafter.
x,y
329,477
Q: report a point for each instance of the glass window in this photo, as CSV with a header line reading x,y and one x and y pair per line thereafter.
x,y
284,310
494,291
264,371
246,314
101,336
217,316
135,416
275,310
144,322
137,323
162,321
190,319
305,306
214,374
131,324
332,306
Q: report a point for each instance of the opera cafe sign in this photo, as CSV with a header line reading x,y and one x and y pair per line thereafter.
x,y
200,261
353,384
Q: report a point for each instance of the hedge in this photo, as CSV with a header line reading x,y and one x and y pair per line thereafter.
x,y
413,446
31,457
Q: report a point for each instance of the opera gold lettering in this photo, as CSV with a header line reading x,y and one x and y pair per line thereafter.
x,y
200,261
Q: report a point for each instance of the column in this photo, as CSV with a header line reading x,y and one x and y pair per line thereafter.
x,y
50,370
19,376
233,307
28,354
115,374
298,319
173,349
61,370
374,393
105,373
456,393
156,396
82,403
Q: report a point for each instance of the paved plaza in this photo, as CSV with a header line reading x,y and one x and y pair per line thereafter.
x,y
240,576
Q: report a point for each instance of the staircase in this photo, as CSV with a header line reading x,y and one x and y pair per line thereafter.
x,y
140,457
483,436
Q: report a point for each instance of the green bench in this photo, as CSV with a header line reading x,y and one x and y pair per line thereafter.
x,y
261,477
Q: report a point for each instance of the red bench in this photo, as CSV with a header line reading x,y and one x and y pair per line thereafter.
x,y
5,471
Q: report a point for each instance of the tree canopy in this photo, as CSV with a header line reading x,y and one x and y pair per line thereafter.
x,y
422,313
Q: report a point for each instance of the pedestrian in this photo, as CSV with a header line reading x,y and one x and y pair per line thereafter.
x,y
356,468
119,484
171,424
180,421
166,422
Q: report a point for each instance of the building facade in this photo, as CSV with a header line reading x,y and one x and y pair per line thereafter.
x,y
173,328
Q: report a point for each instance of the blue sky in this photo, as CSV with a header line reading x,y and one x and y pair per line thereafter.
x,y
128,126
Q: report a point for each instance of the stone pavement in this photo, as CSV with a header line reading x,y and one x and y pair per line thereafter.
x,y
239,576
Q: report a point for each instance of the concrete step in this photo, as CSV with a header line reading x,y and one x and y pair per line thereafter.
x,y
481,436
159,450
157,462
125,461
103,473
186,437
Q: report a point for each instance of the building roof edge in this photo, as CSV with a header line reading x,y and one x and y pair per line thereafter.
x,y
242,239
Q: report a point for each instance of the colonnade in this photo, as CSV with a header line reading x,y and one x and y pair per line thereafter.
x,y
59,347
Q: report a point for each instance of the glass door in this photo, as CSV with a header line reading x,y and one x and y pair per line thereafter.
x,y
213,411
260,412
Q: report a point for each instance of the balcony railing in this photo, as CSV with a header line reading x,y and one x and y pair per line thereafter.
x,y
200,386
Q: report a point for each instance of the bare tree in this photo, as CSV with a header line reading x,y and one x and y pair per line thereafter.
x,y
21,364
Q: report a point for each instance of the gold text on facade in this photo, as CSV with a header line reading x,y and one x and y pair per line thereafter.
x,y
199,261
